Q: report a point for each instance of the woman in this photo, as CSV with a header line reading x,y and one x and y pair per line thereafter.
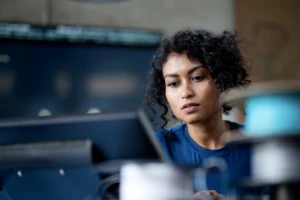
x,y
191,70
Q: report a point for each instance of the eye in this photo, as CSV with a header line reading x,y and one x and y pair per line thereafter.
x,y
198,78
173,84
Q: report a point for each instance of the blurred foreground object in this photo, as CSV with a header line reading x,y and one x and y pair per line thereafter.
x,y
272,128
71,154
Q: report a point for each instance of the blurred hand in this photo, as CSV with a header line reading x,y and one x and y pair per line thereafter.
x,y
208,194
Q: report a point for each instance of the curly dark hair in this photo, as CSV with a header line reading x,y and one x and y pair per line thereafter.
x,y
220,54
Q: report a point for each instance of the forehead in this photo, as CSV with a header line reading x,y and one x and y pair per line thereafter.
x,y
177,63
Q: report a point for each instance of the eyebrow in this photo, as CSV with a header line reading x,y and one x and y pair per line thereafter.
x,y
189,72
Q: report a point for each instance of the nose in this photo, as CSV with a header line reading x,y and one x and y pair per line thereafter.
x,y
187,91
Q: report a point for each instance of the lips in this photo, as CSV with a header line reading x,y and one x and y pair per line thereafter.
x,y
188,105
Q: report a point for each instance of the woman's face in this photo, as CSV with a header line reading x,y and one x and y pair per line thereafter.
x,y
190,89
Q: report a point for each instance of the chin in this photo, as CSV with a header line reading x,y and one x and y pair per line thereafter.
x,y
191,119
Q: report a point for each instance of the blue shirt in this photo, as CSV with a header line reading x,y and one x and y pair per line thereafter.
x,y
182,150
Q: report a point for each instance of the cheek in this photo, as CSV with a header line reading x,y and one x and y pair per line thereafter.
x,y
211,94
214,94
172,99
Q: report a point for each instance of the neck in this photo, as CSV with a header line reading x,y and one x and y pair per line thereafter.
x,y
209,133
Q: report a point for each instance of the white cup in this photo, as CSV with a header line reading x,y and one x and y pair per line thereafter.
x,y
159,181
163,181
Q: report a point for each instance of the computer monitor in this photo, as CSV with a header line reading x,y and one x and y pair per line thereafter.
x,y
116,136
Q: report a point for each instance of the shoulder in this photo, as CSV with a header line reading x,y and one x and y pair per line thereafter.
x,y
236,131
165,133
171,140
171,136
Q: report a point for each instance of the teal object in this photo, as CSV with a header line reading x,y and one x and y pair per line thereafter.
x,y
275,113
